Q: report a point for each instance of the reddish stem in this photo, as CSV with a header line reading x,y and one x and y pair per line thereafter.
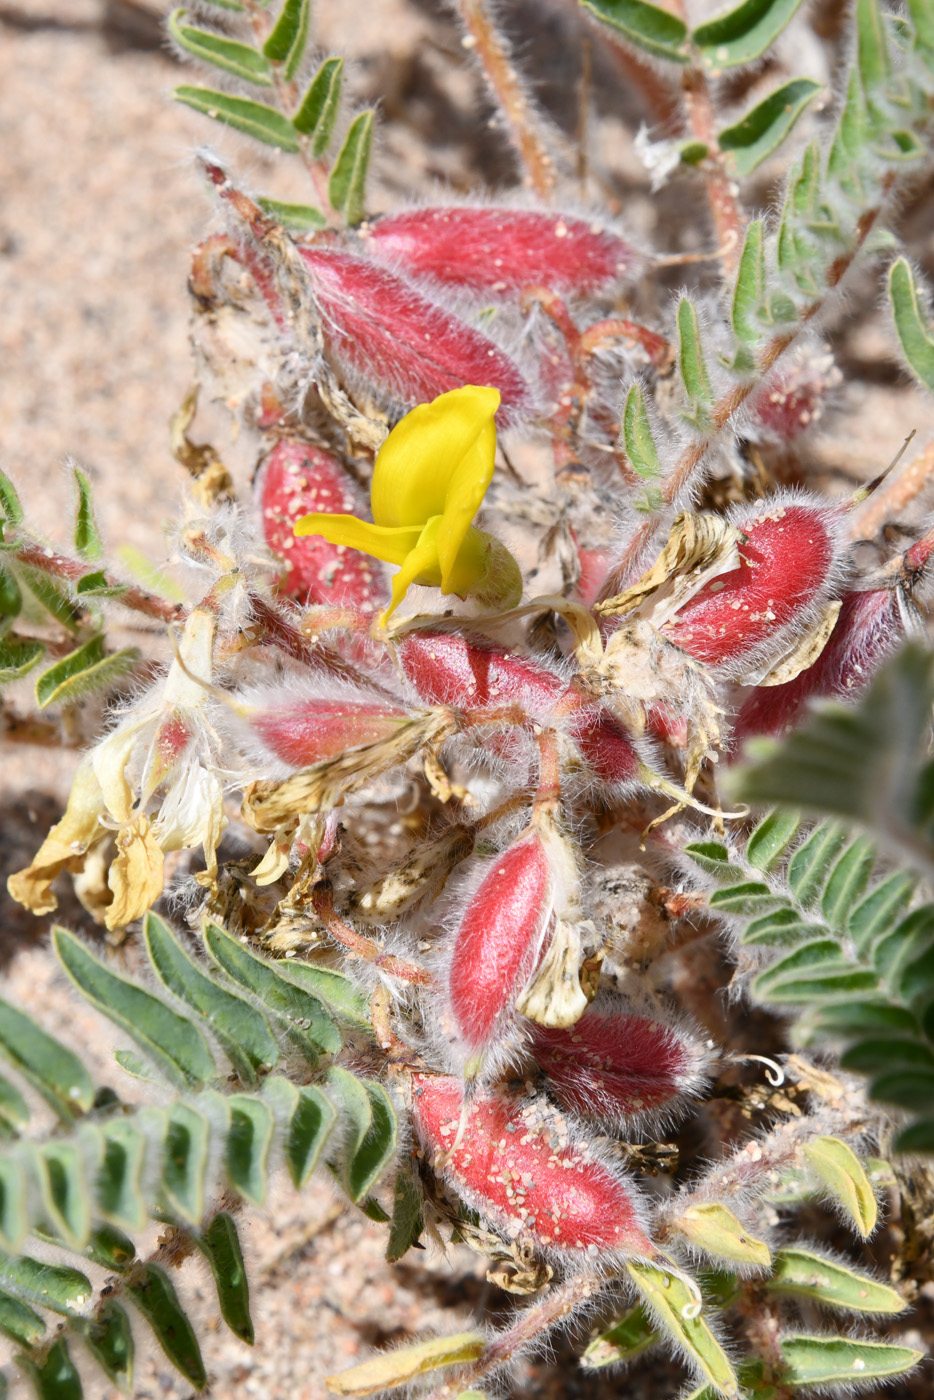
x,y
362,947
35,556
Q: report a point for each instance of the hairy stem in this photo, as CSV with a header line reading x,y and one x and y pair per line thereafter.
x,y
36,556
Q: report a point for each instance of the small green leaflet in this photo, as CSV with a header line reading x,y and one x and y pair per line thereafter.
x,y
655,30
87,538
10,502
762,130
91,667
289,37
819,1361
216,49
254,119
693,367
347,183
912,323
18,655
317,114
221,1245
299,218
744,33
637,436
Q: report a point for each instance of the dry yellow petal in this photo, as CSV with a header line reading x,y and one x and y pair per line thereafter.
x,y
398,1367
65,845
136,876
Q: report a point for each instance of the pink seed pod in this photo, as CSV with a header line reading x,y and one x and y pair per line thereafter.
x,y
295,479
866,631
794,398
604,745
498,942
489,250
614,1065
787,562
399,342
303,731
517,1164
472,674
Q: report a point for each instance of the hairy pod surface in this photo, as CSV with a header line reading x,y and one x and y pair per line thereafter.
x,y
604,744
785,563
296,479
517,1164
303,732
490,250
469,673
395,339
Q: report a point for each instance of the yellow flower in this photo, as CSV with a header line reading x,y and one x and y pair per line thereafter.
x,y
429,480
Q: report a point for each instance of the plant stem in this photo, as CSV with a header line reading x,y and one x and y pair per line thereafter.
x,y
728,221
36,556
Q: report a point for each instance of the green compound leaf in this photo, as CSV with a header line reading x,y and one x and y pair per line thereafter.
x,y
65,1192
173,1042
637,436
847,881
88,542
872,50
120,1174
308,1117
10,502
19,1322
804,1274
317,114
289,37
153,1293
55,1376
812,861
299,218
52,1069
693,367
749,293
338,993
744,33
91,667
815,1361
216,49
628,1337
109,1338
763,129
43,1285
407,1220
912,323
370,1130
303,1015
657,31
667,1296
769,841
220,1243
242,1030
185,1161
840,1171
249,1140
347,182
243,114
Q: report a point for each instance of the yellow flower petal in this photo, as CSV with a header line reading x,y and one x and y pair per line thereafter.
x,y
444,446
391,543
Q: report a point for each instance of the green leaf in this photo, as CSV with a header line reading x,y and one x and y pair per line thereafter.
x,y
347,181
912,322
771,838
303,1015
713,1228
407,1218
881,908
242,1030
52,1069
922,19
309,1117
185,1161
97,585
628,1337
657,31
173,1042
744,33
714,858
249,1140
842,1174
637,436
821,985
815,1361
892,951
243,114
10,502
763,129
109,1338
749,292
694,374
289,37
317,114
338,993
19,1322
369,1130
216,49
908,1088
65,1191
751,897
54,1376
120,1174
394,1368
157,1300
91,667
860,1017
88,542
876,1055
847,881
668,1297
14,1111
51,595
811,861
45,1285
782,926
823,954
11,598
872,52
300,218
111,1248
221,1244
918,1137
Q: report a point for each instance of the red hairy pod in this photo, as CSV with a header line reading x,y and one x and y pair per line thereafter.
x,y
794,397
473,674
301,732
399,342
499,940
612,1065
489,250
517,1165
786,562
866,630
604,745
296,479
